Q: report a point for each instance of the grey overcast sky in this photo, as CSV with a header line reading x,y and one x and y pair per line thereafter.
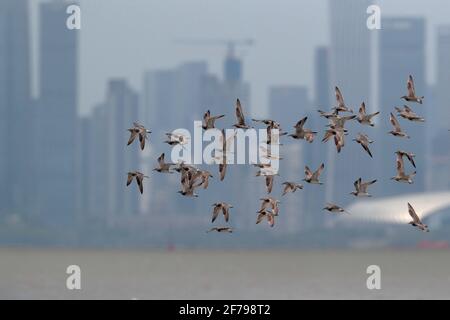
x,y
123,38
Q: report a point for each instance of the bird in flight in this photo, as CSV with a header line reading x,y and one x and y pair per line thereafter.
x,y
313,177
163,167
138,131
341,106
291,187
397,132
301,133
331,207
209,121
139,179
176,139
365,118
240,116
270,203
408,114
361,188
265,214
410,156
411,96
401,176
416,222
221,229
364,141
221,206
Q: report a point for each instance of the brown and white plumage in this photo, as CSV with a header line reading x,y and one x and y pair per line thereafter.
x,y
341,107
331,207
209,121
240,116
408,114
269,203
361,188
313,177
291,187
416,222
364,141
138,131
411,96
221,229
401,175
410,156
139,177
397,132
302,133
265,214
163,167
221,207
363,117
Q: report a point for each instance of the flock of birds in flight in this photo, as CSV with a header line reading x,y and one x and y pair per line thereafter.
x,y
193,178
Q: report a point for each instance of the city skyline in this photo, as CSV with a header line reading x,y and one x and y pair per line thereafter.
x,y
77,162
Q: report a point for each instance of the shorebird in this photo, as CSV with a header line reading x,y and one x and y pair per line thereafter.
x,y
364,141
139,179
301,133
416,222
410,156
267,154
401,176
163,167
291,187
269,122
361,188
240,116
221,229
397,132
176,139
331,207
221,206
269,182
339,137
204,176
138,131
341,107
338,122
408,114
412,92
311,177
265,214
269,203
365,118
209,121
189,176
328,115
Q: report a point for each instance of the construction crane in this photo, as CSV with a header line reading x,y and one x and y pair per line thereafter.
x,y
232,65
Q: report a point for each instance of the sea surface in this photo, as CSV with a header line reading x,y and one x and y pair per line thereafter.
x,y
190,274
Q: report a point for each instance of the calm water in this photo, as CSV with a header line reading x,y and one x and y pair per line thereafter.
x,y
40,274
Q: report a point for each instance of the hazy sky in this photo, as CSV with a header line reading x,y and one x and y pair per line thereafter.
x,y
122,38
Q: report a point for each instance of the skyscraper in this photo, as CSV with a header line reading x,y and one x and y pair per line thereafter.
x,y
350,66
401,55
57,115
15,159
442,107
122,110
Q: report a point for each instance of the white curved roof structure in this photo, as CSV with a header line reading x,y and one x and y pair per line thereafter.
x,y
395,209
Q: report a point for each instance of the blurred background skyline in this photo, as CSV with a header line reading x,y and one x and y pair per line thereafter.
x,y
68,96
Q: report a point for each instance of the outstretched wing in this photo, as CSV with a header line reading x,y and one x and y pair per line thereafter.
x,y
413,214
339,97
395,123
362,109
239,113
410,86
